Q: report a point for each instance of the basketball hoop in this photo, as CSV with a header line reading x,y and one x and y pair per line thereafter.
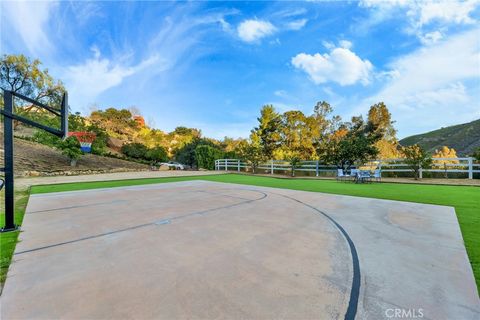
x,y
85,139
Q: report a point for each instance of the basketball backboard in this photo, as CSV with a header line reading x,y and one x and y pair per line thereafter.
x,y
8,117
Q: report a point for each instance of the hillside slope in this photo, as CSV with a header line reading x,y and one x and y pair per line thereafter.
x,y
464,138
32,159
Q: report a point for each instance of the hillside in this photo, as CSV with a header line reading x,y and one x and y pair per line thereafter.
x,y
464,138
33,159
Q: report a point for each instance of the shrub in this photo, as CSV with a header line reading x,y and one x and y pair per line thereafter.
x,y
206,156
70,147
157,154
134,150
186,154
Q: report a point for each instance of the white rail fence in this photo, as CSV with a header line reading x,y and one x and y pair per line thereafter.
x,y
466,166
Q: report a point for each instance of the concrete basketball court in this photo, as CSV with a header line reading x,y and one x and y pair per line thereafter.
x,y
205,250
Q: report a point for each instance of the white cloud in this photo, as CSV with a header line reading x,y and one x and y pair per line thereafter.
x,y
424,12
253,30
446,11
297,24
345,44
96,75
166,54
435,85
431,37
421,14
340,65
431,67
29,21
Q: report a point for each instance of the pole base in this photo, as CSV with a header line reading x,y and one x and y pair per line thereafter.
x,y
9,229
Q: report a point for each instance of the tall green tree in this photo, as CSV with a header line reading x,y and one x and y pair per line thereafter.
x,y
267,130
296,131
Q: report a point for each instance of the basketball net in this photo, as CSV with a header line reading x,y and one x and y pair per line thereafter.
x,y
85,138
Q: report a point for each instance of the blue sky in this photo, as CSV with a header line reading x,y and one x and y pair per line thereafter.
x,y
212,65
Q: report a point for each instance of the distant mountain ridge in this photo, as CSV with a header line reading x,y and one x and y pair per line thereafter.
x,y
464,138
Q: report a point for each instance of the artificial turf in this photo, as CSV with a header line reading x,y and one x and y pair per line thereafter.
x,y
465,199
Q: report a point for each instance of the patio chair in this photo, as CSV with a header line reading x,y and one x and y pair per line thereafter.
x,y
354,174
377,175
341,176
364,176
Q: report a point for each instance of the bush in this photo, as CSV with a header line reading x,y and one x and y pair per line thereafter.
x,y
186,154
206,156
134,150
71,148
157,154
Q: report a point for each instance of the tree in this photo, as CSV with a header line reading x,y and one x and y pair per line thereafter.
x,y
117,123
381,120
252,152
182,136
152,137
70,147
268,130
206,156
134,150
416,158
186,154
296,135
230,146
319,123
349,143
157,154
294,159
444,152
22,75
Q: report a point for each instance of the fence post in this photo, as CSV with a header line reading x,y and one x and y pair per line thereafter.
x,y
271,166
470,168
316,169
238,165
226,169
420,173
216,165
380,167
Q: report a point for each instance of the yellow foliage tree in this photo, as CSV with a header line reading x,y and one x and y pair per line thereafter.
x,y
444,152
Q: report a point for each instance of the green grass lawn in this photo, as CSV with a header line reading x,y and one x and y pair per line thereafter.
x,y
465,199
9,239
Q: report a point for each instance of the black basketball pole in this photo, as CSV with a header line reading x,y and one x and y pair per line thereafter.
x,y
8,117
8,163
